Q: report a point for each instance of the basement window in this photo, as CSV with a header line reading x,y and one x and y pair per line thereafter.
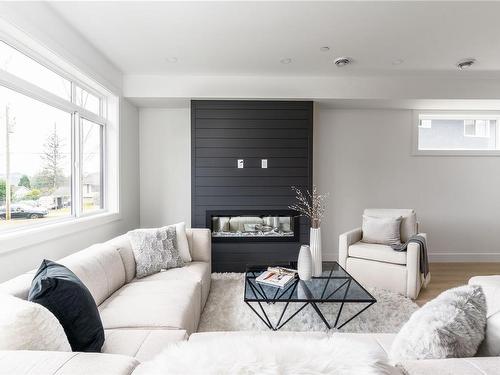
x,y
456,133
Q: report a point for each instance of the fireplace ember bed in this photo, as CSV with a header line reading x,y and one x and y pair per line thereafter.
x,y
253,225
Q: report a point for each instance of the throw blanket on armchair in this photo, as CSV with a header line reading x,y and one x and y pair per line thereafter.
x,y
424,261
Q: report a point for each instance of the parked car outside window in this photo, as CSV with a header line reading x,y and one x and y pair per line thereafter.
x,y
24,211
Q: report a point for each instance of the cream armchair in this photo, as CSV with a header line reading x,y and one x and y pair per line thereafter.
x,y
380,266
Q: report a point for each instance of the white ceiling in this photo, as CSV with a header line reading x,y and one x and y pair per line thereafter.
x,y
250,38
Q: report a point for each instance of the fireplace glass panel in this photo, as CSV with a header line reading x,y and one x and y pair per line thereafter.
x,y
252,226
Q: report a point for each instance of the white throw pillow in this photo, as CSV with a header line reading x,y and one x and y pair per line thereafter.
x,y
154,249
26,325
381,230
182,242
450,326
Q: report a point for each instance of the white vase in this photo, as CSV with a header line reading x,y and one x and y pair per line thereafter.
x,y
304,263
317,258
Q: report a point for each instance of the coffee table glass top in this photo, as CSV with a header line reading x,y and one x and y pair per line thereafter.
x,y
334,285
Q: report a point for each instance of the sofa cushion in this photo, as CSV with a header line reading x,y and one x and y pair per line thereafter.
x,y
491,288
143,344
172,304
408,222
63,294
198,272
451,366
381,253
31,362
200,244
182,242
19,286
99,267
124,247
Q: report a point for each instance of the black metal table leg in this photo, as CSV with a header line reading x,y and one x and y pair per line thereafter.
x,y
342,304
318,311
347,321
260,317
290,318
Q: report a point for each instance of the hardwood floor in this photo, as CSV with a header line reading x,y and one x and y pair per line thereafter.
x,y
449,275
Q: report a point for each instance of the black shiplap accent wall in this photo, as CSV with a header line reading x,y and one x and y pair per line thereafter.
x,y
224,131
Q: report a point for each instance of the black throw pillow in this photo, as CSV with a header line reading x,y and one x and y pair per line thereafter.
x,y
62,293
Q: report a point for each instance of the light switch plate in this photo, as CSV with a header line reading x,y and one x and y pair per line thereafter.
x,y
263,163
241,163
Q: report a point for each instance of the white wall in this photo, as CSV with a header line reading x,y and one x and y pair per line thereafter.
x,y
165,149
20,260
363,158
444,86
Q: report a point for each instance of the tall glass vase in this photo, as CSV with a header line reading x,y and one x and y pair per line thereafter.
x,y
315,245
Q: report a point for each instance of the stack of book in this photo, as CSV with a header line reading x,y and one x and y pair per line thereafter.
x,y
278,277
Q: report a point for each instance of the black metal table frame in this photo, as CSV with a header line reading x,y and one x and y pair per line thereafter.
x,y
309,301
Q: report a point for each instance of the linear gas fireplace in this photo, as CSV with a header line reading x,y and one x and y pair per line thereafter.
x,y
253,225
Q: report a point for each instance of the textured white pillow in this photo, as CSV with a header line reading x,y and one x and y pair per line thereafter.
x,y
26,325
450,326
154,249
381,230
182,242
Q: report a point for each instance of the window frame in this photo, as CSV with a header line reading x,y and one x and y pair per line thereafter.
x,y
109,148
461,114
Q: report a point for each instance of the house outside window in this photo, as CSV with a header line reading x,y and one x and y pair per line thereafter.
x,y
456,133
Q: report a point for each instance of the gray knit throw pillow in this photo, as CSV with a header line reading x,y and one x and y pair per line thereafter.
x,y
154,249
450,326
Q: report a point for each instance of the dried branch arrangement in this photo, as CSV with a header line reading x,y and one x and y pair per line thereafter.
x,y
310,204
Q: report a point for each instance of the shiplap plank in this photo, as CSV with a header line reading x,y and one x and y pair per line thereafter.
x,y
264,134
251,162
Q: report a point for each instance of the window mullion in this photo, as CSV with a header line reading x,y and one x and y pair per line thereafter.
x,y
104,198
76,198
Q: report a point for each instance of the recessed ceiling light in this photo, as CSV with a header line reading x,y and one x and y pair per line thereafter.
x,y
342,61
465,63
172,59
324,49
286,60
398,62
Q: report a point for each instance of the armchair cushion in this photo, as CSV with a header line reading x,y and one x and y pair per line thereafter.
x,y
380,253
408,222
381,230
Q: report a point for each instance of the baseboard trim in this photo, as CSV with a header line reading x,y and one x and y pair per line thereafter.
x,y
445,257
464,257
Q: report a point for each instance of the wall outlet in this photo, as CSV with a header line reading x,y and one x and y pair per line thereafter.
x,y
241,163
263,163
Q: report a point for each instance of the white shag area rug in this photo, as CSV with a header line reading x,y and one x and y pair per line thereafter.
x,y
225,310
268,355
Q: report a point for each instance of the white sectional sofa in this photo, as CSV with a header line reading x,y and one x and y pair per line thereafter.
x,y
143,316
140,316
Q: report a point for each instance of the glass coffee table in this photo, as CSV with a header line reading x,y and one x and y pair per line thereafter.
x,y
334,285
